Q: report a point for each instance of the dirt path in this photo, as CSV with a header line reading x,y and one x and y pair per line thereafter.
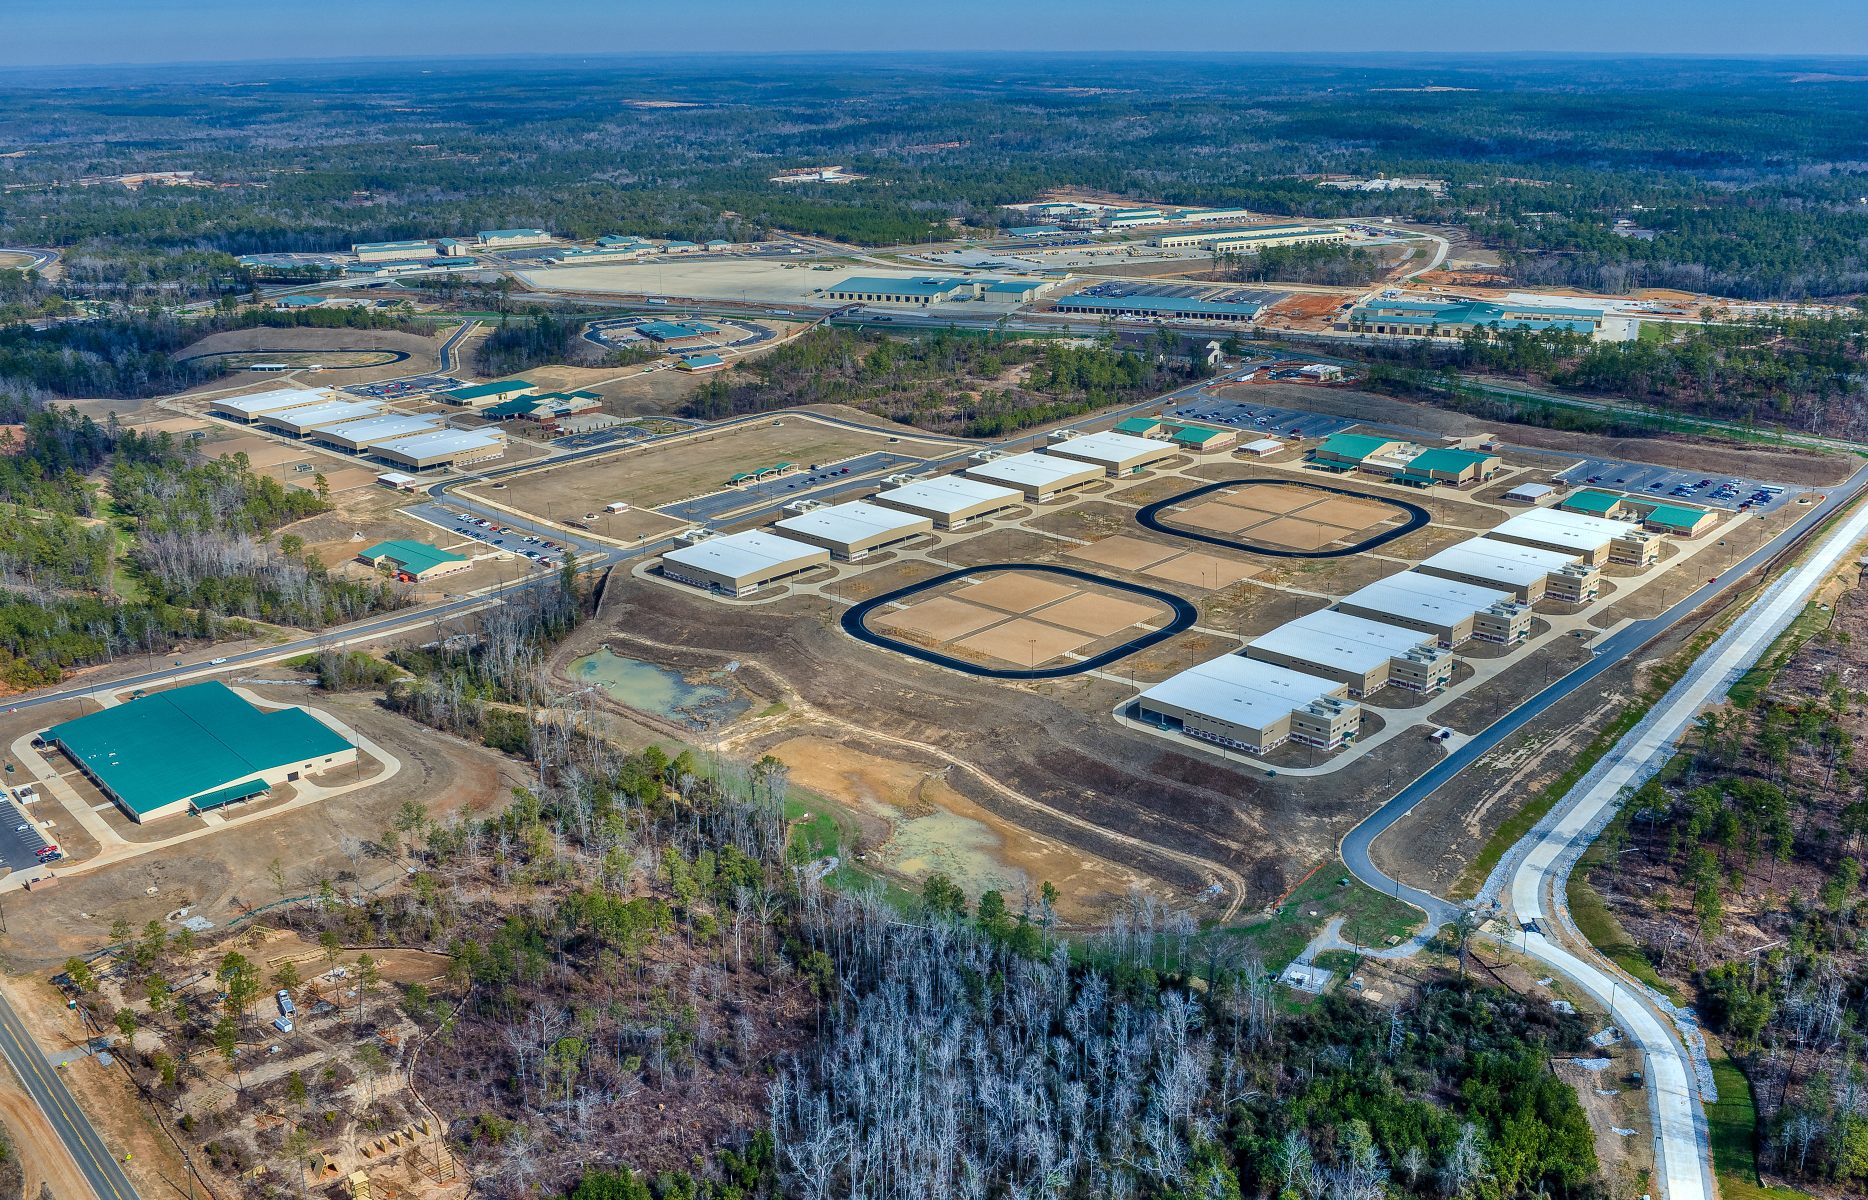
x,y
43,1157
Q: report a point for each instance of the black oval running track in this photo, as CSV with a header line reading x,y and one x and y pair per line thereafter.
x,y
1149,518
854,623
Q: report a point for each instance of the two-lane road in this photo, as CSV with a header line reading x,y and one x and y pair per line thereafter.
x,y
48,1091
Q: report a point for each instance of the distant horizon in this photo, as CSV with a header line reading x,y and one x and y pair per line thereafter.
x,y
104,34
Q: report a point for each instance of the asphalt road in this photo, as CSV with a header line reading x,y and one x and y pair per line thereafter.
x,y
48,1091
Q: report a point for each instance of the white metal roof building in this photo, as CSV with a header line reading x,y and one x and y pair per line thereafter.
x,y
1529,493
357,436
442,448
741,563
1524,571
1116,453
852,529
1038,476
1356,651
1262,447
245,408
1441,607
950,501
296,421
1253,705
1577,533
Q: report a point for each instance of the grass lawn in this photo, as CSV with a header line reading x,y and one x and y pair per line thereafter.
x,y
819,830
1733,1126
1370,919
1811,621
1595,922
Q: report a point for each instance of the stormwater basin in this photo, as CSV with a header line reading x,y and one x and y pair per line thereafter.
x,y
655,689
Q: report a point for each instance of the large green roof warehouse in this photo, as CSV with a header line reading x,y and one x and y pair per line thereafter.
x,y
195,748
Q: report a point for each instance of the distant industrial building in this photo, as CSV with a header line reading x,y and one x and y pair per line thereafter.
x,y
1167,308
443,448
1034,231
196,749
1204,216
741,563
1363,654
929,289
250,407
296,421
508,239
1529,573
1117,453
1455,613
1595,540
1251,237
481,395
699,363
378,252
1263,447
1038,476
851,530
950,501
1252,705
677,333
600,254
416,560
1679,520
1528,493
358,436
544,407
455,248
1451,318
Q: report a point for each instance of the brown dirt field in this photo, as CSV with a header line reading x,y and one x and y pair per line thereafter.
x,y
654,475
1126,553
1208,571
175,425
1218,518
1297,533
421,348
1014,592
884,578
915,822
43,1159
261,452
1158,488
345,479
1353,514
1099,615
943,618
1001,546
1268,498
1306,304
1023,642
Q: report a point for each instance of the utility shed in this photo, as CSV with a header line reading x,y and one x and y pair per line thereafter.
x,y
852,529
1527,572
246,408
1038,476
1453,612
950,501
1255,706
296,421
1117,453
1366,655
741,563
196,748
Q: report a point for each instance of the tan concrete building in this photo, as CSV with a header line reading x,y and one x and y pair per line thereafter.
x,y
1252,705
443,448
1453,612
1117,453
1529,573
739,564
950,501
1366,655
1596,540
1038,476
852,529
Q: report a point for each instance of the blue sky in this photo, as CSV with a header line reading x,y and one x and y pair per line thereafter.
x,y
51,32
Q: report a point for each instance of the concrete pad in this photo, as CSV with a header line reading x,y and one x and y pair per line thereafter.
x,y
1126,553
1215,517
1015,592
1023,642
1202,570
942,618
1097,614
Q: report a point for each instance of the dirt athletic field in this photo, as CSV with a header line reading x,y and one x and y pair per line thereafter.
x,y
1018,619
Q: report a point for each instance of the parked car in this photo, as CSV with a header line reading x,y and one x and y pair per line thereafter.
x,y
286,1007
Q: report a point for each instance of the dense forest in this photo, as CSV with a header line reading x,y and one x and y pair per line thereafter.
x,y
948,381
1749,175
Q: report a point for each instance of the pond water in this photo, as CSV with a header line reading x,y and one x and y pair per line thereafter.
x,y
658,690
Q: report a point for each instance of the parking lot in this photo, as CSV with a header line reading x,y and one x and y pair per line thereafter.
x,y
20,841
1285,422
397,389
1672,484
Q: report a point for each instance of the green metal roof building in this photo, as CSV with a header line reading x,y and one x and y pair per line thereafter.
x,y
1595,504
1138,426
479,393
1345,450
1443,465
413,558
194,749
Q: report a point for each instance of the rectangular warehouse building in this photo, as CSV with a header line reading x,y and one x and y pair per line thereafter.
x,y
417,560
393,251
1366,655
1528,572
442,448
1167,308
1253,706
1595,540
741,563
246,408
358,436
1038,476
950,501
1454,613
877,289
1249,236
1117,453
196,748
296,421
483,395
506,239
852,529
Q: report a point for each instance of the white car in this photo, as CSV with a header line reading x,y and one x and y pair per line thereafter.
x,y
215,662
